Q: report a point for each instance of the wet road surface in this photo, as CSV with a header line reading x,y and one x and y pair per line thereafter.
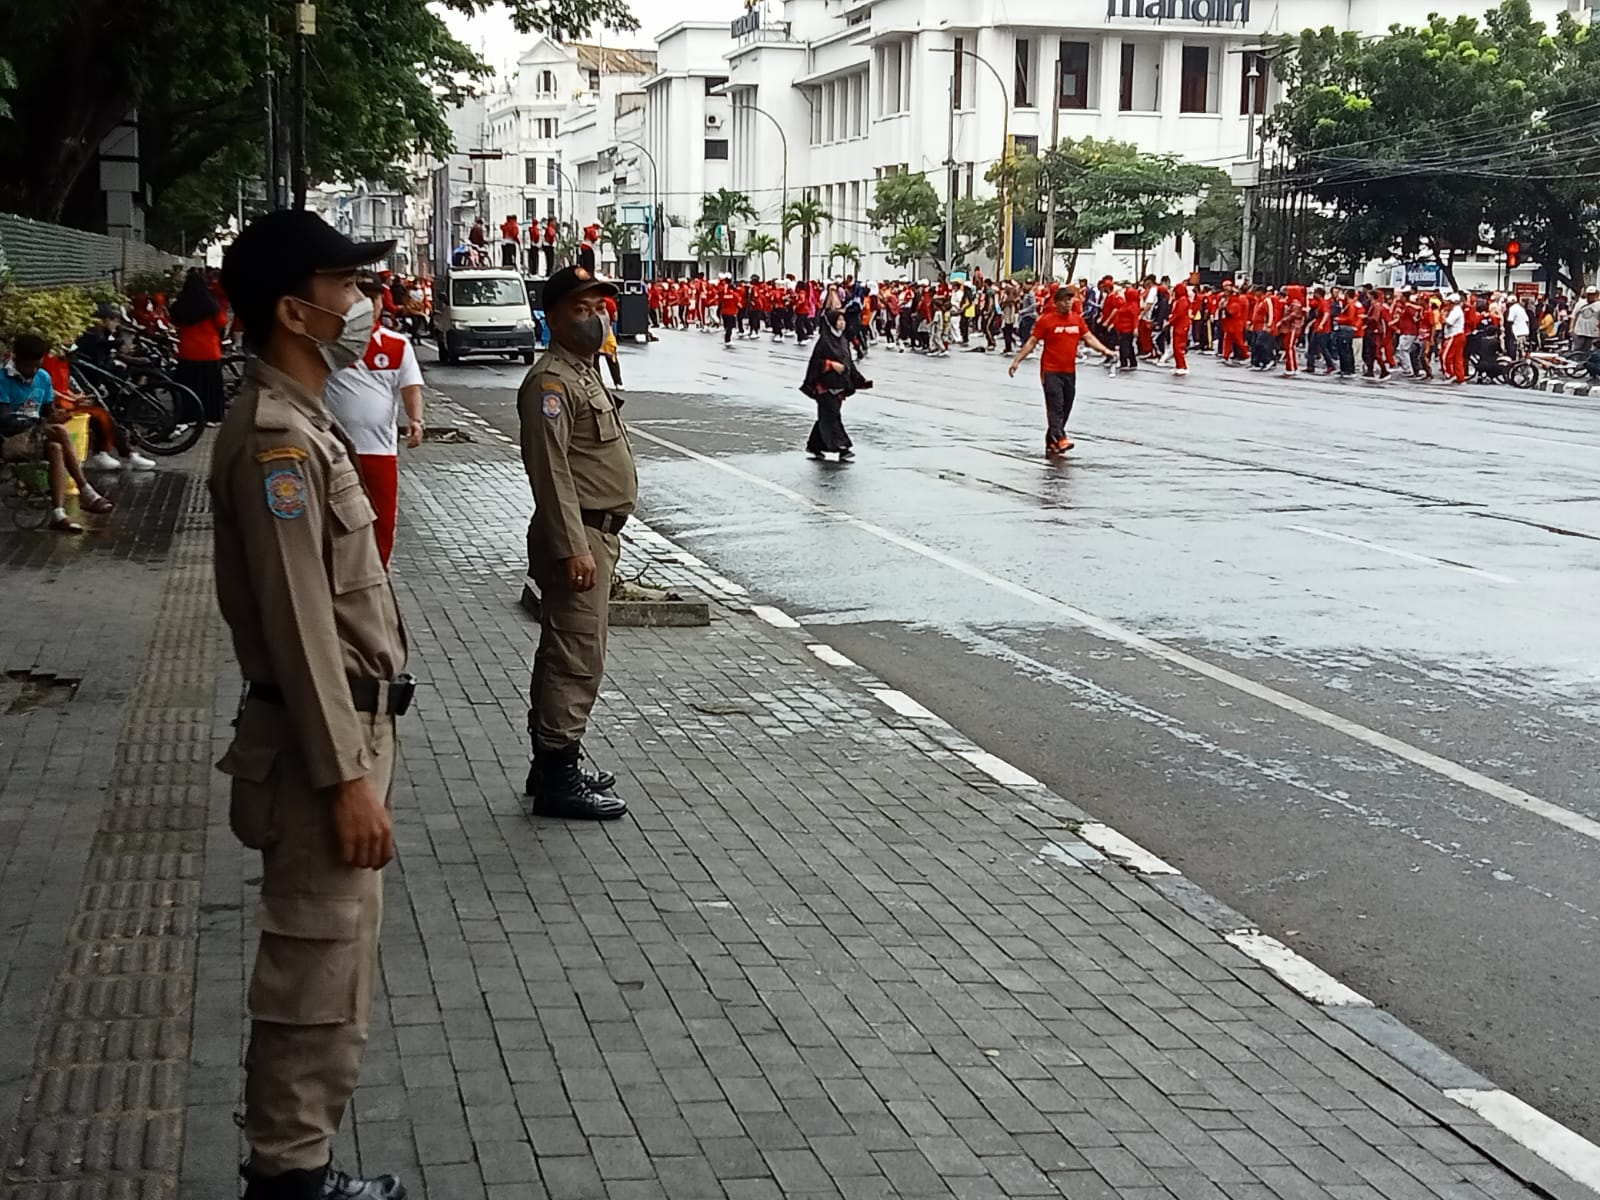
x,y
1328,648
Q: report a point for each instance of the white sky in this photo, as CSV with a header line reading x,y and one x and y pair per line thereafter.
x,y
492,36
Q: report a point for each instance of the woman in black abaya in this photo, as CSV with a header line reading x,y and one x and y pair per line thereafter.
x,y
831,376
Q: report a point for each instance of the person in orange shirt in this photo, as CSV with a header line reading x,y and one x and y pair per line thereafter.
x,y
1289,326
1060,331
510,240
201,323
1125,320
1375,336
1179,322
729,302
1347,326
1264,309
1234,314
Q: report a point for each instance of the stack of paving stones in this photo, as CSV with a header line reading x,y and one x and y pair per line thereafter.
x,y
824,957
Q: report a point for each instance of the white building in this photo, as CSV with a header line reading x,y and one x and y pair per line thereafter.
x,y
687,129
549,123
866,88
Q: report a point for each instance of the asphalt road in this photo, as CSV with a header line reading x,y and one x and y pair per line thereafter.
x,y
1327,647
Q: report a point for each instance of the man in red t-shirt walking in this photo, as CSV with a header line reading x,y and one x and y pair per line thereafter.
x,y
1060,330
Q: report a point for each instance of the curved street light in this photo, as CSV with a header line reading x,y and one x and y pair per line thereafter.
x,y
783,244
1000,185
655,206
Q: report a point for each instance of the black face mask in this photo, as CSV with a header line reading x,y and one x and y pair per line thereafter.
x,y
586,334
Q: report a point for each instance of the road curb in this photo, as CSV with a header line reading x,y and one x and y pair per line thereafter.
x,y
1563,387
1542,1153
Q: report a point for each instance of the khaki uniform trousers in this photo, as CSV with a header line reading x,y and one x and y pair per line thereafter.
x,y
571,659
310,999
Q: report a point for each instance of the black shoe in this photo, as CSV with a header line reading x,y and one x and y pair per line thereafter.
x,y
291,1185
847,455
597,780
561,791
341,1185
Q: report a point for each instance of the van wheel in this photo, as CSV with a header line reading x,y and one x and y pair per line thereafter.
x,y
530,357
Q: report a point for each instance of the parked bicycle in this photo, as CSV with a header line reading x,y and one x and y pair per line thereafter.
x,y
25,492
159,414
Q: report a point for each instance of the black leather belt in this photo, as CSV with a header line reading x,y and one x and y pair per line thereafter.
x,y
391,696
605,522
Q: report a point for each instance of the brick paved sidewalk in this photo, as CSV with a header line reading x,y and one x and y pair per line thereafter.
x,y
827,956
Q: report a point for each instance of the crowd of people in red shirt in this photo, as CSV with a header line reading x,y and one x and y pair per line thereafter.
x,y
1295,329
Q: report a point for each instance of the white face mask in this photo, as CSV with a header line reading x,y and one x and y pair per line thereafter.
x,y
346,349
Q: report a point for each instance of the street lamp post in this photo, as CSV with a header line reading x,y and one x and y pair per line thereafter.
x,y
655,206
783,138
1005,151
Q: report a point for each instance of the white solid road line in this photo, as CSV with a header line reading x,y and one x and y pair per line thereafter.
x,y
1406,554
774,616
999,770
904,704
830,656
1111,631
1124,850
1555,1143
1301,974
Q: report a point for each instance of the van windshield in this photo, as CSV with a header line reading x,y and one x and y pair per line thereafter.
x,y
487,293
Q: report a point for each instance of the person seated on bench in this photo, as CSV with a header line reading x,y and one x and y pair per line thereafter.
x,y
99,346
33,426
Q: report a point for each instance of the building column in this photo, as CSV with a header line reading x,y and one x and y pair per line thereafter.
x,y
1169,82
1110,77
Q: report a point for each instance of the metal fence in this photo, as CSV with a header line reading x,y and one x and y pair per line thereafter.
x,y
39,254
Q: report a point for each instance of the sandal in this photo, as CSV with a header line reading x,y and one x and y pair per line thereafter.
x,y
66,525
99,505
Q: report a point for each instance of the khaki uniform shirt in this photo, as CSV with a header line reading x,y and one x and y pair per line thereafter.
x,y
576,451
299,578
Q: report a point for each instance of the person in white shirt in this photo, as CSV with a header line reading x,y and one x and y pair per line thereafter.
x,y
1518,323
1585,322
366,400
1454,355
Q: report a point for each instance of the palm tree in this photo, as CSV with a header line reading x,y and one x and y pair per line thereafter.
x,y
721,208
621,238
706,246
807,216
761,245
850,252
911,246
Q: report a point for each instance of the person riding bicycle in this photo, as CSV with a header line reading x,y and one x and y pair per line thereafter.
x,y
99,347
33,426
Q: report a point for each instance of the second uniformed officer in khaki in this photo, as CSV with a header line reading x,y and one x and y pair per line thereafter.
x,y
318,637
580,466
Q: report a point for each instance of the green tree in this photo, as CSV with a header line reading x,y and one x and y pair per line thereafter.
x,y
1217,226
623,239
1107,186
849,252
902,200
720,209
706,246
806,215
1425,140
912,246
380,82
760,245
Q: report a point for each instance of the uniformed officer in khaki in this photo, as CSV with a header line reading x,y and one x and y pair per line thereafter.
x,y
322,650
580,465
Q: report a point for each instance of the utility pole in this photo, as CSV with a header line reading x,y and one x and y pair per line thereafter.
x,y
305,26
950,179
1049,272
1247,238
269,108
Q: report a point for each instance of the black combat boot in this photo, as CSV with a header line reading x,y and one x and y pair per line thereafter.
x,y
599,781
559,789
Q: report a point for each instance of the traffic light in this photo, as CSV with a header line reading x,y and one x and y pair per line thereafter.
x,y
1513,253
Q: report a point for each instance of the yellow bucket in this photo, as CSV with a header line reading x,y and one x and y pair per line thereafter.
x,y
78,431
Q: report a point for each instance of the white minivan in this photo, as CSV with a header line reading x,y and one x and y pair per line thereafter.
x,y
484,310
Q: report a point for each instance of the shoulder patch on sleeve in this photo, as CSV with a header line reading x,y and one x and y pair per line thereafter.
x,y
553,392
286,492
282,454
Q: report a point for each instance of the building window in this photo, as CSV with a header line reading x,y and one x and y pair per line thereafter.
x,y
816,117
594,81
717,148
858,105
552,171
549,127
530,210
1124,241
1022,95
1261,64
1025,146
956,81
713,82
547,83
894,81
1074,75
1141,75
550,208
1194,89
969,182
530,167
